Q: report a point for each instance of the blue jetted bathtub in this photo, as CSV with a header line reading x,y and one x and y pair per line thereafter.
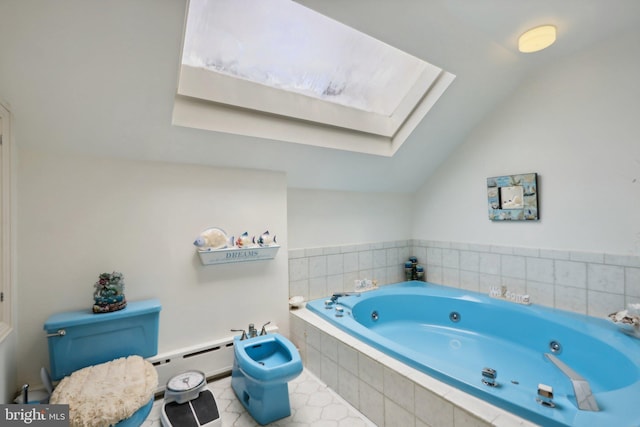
x,y
453,335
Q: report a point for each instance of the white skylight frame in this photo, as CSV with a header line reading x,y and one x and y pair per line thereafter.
x,y
235,87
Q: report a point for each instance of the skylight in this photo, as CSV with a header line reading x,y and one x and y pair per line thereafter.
x,y
279,58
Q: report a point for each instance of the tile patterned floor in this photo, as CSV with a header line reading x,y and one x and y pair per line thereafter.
x,y
313,404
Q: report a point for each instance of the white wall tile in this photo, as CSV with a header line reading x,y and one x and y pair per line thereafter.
x,y
329,346
296,253
513,266
464,419
403,254
418,252
605,278
434,257
432,409
314,338
392,257
470,280
331,250
489,263
380,275
311,252
335,264
479,247
299,287
528,252
379,258
348,358
504,250
601,304
350,278
512,284
371,372
541,293
394,274
363,274
329,372
570,273
571,299
371,403
622,260
589,257
335,283
317,266
461,246
350,262
632,281
434,274
540,270
451,277
298,268
554,254
488,281
314,358
451,258
397,416
349,386
318,287
469,261
470,266
365,260
399,388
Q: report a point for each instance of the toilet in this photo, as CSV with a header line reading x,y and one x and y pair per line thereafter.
x,y
83,339
262,368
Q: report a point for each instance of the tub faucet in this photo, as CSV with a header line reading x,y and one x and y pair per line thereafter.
x,y
581,388
337,295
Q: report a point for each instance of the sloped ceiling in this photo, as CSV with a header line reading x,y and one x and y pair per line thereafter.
x,y
99,78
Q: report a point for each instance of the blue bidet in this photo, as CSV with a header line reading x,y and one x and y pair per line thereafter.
x,y
262,367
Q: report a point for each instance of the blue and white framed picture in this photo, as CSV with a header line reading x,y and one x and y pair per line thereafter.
x,y
513,197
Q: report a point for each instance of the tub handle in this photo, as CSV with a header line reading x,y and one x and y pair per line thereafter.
x,y
489,376
58,333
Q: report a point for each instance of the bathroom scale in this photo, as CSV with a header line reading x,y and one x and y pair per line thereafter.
x,y
189,403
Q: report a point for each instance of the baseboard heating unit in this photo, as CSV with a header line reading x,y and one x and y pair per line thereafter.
x,y
214,358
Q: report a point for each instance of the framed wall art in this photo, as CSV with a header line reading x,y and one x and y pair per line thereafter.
x,y
513,197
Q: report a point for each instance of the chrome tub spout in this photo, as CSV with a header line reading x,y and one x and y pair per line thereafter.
x,y
581,388
337,295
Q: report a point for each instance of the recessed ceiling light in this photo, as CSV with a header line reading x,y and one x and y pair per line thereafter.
x,y
537,39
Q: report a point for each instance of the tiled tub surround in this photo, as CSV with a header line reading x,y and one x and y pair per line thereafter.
x,y
389,392
589,283
318,272
384,390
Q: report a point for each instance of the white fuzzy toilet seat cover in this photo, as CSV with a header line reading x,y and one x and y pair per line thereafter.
x,y
107,393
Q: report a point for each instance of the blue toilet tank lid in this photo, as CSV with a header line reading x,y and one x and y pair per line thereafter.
x,y
83,317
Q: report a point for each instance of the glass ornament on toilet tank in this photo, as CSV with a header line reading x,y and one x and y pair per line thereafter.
x,y
109,293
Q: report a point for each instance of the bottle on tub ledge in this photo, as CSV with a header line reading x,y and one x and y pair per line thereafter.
x,y
412,270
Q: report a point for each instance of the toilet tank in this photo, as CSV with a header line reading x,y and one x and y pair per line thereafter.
x,y
90,338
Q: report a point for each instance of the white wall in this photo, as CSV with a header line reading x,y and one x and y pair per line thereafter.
x,y
81,216
577,125
8,363
319,218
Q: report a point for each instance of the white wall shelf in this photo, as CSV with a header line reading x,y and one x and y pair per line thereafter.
x,y
229,255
